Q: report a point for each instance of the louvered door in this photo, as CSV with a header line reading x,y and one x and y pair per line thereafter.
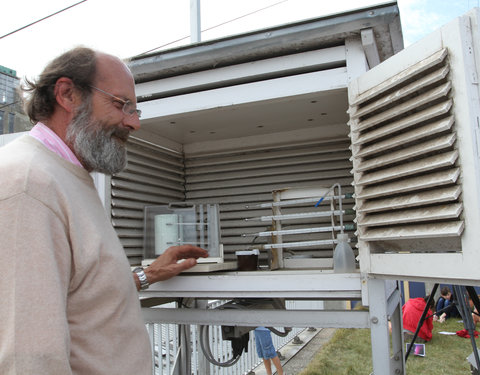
x,y
414,124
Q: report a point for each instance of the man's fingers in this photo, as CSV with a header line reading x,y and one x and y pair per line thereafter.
x,y
189,251
185,265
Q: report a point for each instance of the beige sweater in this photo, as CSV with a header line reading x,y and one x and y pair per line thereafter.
x,y
68,300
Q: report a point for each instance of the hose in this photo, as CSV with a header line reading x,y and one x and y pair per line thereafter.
x,y
204,344
205,338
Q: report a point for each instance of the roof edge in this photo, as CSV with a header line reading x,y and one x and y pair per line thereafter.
x,y
280,40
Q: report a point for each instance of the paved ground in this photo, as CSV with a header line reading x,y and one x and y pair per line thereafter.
x,y
297,355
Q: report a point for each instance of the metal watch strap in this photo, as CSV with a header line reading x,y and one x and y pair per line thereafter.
x,y
142,278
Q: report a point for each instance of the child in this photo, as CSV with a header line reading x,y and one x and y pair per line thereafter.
x,y
443,304
266,350
411,313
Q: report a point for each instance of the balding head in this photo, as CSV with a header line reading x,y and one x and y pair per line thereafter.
x,y
85,67
78,64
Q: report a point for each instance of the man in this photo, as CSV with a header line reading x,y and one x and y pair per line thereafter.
x,y
69,304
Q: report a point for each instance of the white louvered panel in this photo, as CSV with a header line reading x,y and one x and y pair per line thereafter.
x,y
302,166
249,158
125,203
217,191
399,125
405,158
141,185
245,177
410,89
126,213
151,167
430,130
405,107
153,176
443,160
322,160
446,229
427,197
254,183
127,223
431,213
424,65
119,196
409,185
428,147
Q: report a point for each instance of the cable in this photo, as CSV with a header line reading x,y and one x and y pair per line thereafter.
x,y
281,334
204,344
213,27
205,340
41,19
9,104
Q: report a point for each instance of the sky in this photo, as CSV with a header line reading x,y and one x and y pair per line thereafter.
x,y
127,28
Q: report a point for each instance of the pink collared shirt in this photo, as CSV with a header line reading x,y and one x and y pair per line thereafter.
x,y
53,142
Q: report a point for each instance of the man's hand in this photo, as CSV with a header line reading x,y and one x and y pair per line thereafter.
x,y
166,266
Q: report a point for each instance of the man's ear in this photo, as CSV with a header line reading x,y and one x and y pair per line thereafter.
x,y
66,94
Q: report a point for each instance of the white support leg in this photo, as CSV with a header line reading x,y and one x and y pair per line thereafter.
x,y
398,347
203,364
183,362
385,304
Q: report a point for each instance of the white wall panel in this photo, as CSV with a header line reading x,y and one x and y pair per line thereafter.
x,y
154,176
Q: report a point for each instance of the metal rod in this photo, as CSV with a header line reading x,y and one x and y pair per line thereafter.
x,y
340,205
299,244
293,231
291,202
296,216
180,224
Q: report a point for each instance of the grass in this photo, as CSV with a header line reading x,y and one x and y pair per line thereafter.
x,y
349,353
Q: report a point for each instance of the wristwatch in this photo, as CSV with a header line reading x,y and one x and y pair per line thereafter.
x,y
142,278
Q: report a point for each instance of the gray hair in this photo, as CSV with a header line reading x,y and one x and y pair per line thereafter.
x,y
78,64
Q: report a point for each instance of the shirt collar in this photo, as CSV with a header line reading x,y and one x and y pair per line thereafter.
x,y
53,142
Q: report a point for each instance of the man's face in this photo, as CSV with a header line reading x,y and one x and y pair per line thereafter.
x,y
99,146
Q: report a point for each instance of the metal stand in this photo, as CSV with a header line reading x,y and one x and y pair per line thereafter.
x,y
383,297
386,304
464,310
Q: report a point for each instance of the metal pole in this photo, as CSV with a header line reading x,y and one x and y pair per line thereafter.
x,y
422,319
460,295
195,31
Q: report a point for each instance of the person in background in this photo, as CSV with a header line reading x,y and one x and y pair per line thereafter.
x,y
475,315
444,305
266,350
412,311
69,298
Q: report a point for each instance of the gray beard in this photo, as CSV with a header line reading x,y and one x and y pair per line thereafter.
x,y
98,146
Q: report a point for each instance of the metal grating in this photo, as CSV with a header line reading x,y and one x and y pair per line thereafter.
x,y
154,176
405,159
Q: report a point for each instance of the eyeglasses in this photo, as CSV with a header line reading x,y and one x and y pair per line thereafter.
x,y
128,107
